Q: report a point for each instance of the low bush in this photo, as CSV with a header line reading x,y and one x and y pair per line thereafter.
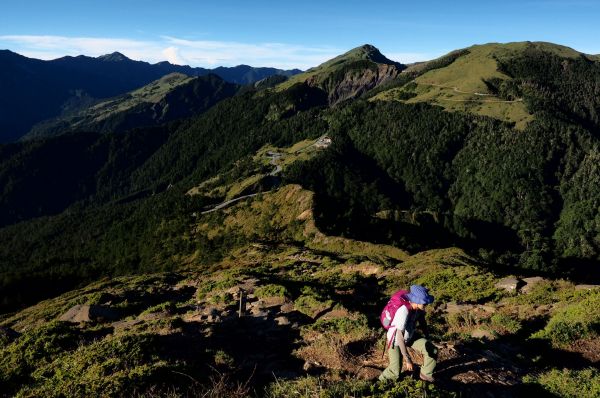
x,y
310,386
33,349
461,284
227,282
167,306
311,305
505,324
357,327
271,290
569,383
109,367
575,321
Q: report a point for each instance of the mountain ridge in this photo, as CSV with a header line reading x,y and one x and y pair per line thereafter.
x,y
349,75
35,90
173,96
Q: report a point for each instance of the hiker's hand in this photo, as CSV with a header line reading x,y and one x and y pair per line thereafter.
x,y
409,366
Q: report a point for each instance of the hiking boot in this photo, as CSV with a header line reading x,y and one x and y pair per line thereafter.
x,y
426,378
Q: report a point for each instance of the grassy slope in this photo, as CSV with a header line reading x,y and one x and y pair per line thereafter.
x,y
329,289
151,93
454,87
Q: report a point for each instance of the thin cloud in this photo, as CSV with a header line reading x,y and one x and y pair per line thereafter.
x,y
172,55
174,50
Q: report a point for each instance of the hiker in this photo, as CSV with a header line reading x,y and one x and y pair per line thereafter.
x,y
408,307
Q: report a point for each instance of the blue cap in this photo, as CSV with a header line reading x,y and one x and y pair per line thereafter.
x,y
419,295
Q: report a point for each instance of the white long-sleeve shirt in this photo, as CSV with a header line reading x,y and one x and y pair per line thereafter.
x,y
403,320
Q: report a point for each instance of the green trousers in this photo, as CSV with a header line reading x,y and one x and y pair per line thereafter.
x,y
422,345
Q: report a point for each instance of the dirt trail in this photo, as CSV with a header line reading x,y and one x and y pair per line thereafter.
x,y
457,90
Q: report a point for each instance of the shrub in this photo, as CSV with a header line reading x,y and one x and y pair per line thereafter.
x,y
543,292
505,323
462,284
575,321
569,383
462,321
222,358
271,290
167,306
109,367
356,327
228,282
225,298
311,305
310,386
33,349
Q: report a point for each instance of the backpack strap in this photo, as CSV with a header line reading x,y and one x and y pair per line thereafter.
x,y
388,345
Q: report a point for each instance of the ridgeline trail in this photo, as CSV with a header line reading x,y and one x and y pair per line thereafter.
x,y
457,90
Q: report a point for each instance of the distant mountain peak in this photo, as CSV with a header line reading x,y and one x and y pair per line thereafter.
x,y
367,52
368,49
114,57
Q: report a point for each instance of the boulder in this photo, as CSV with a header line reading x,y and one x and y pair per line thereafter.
x,y
256,312
482,334
586,287
287,308
490,309
270,302
510,284
282,321
530,283
454,308
89,313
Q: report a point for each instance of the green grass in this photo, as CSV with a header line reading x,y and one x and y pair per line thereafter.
x,y
152,92
109,367
357,326
310,386
575,321
311,305
454,86
272,290
461,284
568,383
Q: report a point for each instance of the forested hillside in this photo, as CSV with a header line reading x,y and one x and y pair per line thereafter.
x,y
34,90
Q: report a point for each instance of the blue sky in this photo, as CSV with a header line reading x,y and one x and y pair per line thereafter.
x,y
286,34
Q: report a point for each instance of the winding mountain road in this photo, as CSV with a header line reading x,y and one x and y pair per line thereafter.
x,y
274,156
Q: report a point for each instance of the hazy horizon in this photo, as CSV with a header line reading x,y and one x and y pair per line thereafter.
x,y
286,36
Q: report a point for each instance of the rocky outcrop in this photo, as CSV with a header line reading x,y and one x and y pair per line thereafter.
x,y
510,284
530,283
354,82
89,313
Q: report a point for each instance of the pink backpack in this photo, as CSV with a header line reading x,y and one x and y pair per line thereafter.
x,y
396,301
